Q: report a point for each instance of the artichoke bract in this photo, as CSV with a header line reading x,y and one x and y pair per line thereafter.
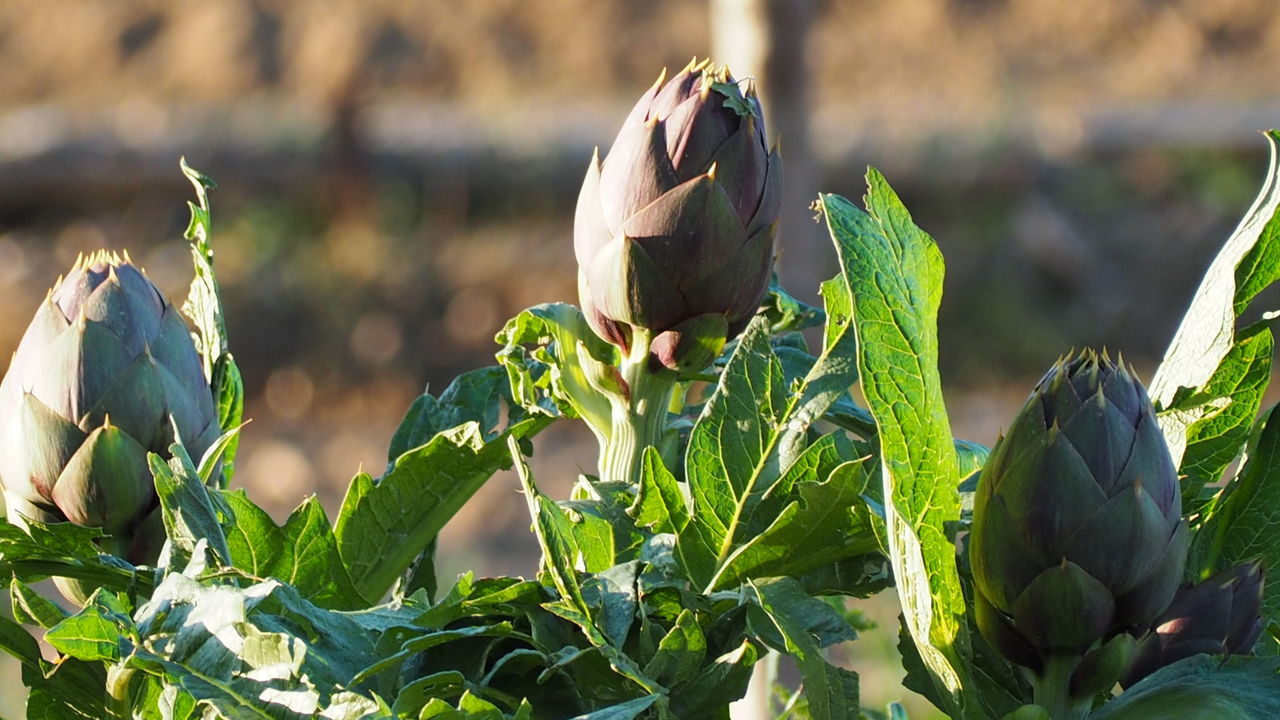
x,y
102,376
1218,616
1078,543
674,230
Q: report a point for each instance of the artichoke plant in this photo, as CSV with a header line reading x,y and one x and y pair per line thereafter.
x,y
1219,616
674,231
104,374
1077,543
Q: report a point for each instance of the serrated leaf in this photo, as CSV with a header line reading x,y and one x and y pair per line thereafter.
x,y
680,652
255,652
204,307
303,552
749,434
1206,336
190,512
479,395
894,270
15,640
786,313
32,608
72,691
1245,524
831,691
817,528
102,631
717,684
660,504
1200,688
382,527
622,711
228,399
66,550
552,357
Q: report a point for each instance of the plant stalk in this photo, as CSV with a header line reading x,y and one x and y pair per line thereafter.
x,y
639,417
1053,689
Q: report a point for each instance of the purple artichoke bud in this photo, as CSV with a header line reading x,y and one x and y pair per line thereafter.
x,y
104,366
1219,616
1077,528
674,229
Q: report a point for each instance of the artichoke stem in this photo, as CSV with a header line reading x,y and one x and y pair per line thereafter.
x,y
640,417
1053,689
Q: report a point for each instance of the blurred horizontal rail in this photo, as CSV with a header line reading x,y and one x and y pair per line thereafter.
x,y
52,160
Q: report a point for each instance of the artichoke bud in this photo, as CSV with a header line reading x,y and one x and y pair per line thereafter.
x,y
103,375
1077,530
1218,616
678,222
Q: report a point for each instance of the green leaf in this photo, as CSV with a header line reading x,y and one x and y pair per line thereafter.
x,y
816,529
479,395
832,692
204,306
786,313
1199,377
660,504
383,527
102,631
15,640
555,363
1245,524
228,396
718,684
894,271
1217,437
260,651
191,514
303,552
1202,688
622,711
751,432
560,552
72,691
680,652
32,608
65,550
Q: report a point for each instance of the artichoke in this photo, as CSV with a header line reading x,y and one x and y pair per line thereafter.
x,y
674,230
104,374
1219,616
1077,543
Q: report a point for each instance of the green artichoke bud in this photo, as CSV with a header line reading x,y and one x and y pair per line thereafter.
x,y
674,230
1077,530
103,375
1219,616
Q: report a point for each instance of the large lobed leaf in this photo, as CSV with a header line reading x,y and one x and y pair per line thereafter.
x,y
894,273
1245,523
766,498
448,447
204,307
1210,383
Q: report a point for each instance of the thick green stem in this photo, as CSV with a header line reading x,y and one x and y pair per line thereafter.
x,y
1053,689
639,418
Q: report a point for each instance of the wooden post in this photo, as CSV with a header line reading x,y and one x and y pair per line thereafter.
x,y
768,39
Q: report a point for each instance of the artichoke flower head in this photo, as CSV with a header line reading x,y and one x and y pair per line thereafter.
x,y
1220,615
103,375
674,230
1077,533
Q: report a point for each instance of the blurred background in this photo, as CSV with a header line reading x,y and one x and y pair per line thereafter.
x,y
398,178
